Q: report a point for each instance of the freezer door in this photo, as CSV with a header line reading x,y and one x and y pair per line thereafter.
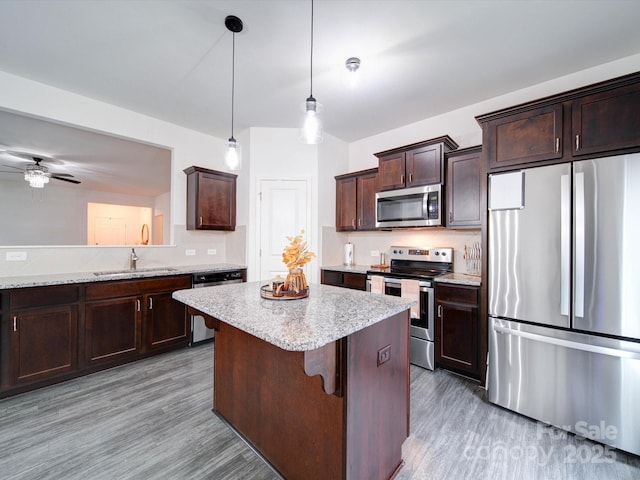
x,y
572,380
529,249
606,245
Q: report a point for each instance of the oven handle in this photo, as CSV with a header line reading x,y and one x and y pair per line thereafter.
x,y
396,283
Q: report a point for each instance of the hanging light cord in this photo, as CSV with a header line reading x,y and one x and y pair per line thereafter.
x,y
233,77
311,69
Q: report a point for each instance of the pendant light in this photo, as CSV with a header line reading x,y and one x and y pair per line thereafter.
x,y
232,156
312,123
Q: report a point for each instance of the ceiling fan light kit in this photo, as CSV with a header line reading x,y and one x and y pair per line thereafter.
x,y
37,175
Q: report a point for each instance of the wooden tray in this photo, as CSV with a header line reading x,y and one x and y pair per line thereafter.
x,y
269,294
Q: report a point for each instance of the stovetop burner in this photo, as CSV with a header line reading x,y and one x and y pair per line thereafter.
x,y
418,263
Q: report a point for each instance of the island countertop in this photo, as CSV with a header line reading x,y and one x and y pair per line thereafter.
x,y
328,314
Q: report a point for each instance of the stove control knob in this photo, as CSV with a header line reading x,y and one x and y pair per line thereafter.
x,y
437,253
400,252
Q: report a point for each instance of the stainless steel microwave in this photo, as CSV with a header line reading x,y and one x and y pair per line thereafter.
x,y
410,207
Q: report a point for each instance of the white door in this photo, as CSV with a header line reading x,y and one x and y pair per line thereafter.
x,y
283,212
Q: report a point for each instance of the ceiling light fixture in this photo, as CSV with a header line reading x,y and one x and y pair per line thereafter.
x,y
312,123
353,64
37,175
232,156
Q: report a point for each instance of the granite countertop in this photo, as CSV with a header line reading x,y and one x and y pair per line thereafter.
x,y
458,278
328,314
24,281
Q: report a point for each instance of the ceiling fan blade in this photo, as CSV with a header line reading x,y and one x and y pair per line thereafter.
x,y
8,171
62,175
65,179
11,166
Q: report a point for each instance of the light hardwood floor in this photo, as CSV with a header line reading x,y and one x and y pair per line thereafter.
x,y
153,420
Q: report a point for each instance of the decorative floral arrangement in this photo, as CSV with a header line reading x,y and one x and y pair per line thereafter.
x,y
297,253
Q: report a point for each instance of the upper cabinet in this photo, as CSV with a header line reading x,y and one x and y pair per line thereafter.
x,y
211,199
529,136
597,120
606,121
356,200
414,165
464,188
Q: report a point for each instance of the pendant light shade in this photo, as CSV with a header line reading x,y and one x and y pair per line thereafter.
x,y
311,130
232,157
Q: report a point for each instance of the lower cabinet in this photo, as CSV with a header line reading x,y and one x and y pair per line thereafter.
x,y
457,328
356,281
42,340
53,333
113,330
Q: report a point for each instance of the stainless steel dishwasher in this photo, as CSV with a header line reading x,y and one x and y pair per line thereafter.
x,y
199,331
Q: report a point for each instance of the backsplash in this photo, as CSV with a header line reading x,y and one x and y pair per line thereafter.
x,y
228,248
366,242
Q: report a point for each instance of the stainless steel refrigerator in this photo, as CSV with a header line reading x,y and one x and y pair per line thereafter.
x,y
564,296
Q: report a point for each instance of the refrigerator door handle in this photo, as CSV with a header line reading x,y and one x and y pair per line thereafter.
x,y
578,304
586,347
565,243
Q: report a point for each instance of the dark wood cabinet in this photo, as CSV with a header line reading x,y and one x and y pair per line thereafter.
x,y
529,136
356,281
607,121
457,329
43,333
464,188
113,330
53,333
600,119
414,165
211,199
356,200
166,321
124,319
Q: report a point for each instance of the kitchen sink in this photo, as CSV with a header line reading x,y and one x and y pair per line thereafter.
x,y
119,273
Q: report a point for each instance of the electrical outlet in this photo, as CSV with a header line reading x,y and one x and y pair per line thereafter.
x,y
384,355
190,252
16,256
375,253
211,251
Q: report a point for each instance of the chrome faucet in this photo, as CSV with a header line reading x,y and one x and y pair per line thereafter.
x,y
134,260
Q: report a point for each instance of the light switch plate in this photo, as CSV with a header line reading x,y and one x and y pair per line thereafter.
x,y
189,252
211,251
16,256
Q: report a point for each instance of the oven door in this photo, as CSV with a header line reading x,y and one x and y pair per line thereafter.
x,y
422,327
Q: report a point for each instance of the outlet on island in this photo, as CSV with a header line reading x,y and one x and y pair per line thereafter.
x,y
384,355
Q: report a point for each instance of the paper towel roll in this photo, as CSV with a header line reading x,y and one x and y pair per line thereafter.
x,y
348,254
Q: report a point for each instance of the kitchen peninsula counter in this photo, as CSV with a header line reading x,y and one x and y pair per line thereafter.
x,y
318,386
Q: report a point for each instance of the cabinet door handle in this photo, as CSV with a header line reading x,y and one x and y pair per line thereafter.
x,y
150,303
410,177
353,223
15,323
577,142
402,178
359,222
557,144
450,216
439,311
138,304
200,221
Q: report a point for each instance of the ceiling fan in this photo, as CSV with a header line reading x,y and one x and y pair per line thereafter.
x,y
38,175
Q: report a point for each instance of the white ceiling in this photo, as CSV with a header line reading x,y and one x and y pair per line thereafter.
x,y
172,59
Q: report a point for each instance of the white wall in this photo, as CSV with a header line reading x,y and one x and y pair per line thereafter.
x,y
188,148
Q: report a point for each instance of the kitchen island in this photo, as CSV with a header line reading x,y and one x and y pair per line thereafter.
x,y
319,387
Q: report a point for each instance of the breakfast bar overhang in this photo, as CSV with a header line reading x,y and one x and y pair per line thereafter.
x,y
318,387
